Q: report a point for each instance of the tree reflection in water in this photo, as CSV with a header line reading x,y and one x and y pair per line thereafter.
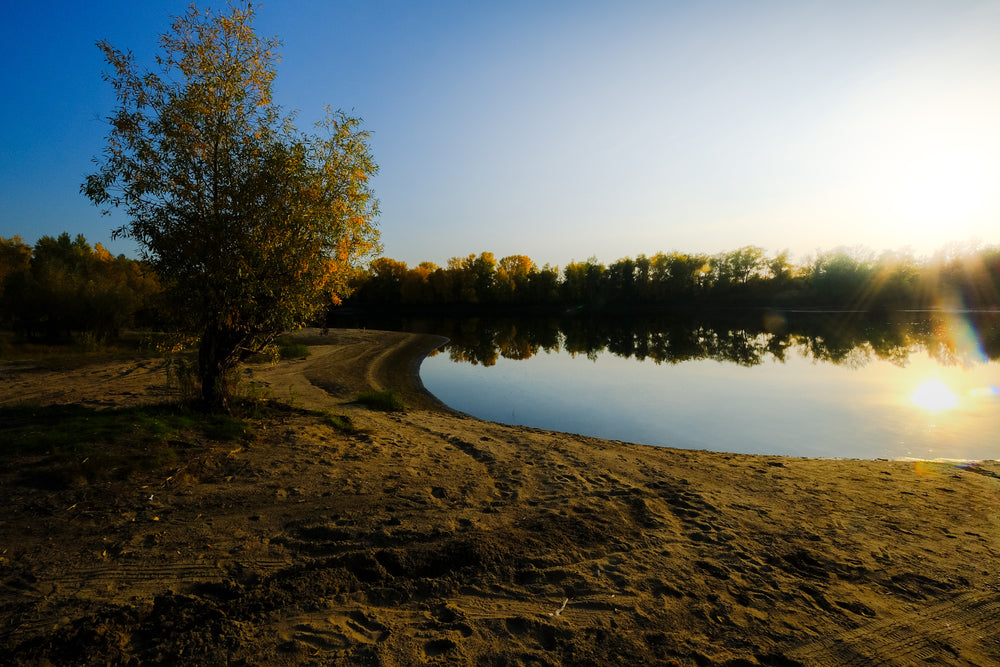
x,y
823,384
750,339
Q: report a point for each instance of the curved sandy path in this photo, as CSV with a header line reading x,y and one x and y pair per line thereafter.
x,y
344,363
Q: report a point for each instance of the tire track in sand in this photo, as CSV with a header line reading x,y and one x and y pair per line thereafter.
x,y
927,636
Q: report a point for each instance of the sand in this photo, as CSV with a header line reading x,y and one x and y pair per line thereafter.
x,y
437,538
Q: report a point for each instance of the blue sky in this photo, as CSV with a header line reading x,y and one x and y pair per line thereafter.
x,y
565,130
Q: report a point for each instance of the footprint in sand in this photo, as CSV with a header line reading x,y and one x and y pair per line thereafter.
x,y
438,647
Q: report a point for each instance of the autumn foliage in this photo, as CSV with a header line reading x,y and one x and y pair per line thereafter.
x,y
252,225
844,278
61,286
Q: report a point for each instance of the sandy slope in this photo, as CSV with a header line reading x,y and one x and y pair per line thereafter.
x,y
438,538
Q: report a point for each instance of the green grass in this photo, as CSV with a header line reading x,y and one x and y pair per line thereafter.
x,y
291,350
225,427
72,445
344,424
74,352
387,400
281,349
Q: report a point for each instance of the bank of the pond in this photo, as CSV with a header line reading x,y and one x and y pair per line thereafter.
x,y
432,537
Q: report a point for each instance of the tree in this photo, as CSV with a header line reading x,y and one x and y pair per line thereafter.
x,y
843,277
483,270
252,225
737,267
386,279
583,282
780,268
63,285
513,277
620,279
15,257
416,287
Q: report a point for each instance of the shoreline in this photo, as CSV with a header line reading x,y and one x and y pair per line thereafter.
x,y
434,537
419,387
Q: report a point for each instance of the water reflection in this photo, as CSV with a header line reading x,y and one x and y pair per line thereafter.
x,y
853,339
934,396
913,385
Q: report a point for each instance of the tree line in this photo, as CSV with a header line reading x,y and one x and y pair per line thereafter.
x,y
842,278
62,286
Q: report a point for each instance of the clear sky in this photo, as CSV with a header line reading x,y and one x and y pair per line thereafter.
x,y
569,129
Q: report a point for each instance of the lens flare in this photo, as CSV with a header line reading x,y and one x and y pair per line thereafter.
x,y
985,392
934,396
960,334
966,340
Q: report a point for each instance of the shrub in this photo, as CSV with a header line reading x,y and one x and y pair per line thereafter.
x,y
387,400
289,350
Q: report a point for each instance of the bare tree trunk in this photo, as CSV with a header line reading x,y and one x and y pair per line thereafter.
x,y
218,357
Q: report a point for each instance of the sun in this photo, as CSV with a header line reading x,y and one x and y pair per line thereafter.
x,y
925,171
934,396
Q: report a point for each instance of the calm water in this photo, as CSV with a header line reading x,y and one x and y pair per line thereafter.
x,y
926,390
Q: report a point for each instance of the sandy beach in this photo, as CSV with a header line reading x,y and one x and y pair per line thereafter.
x,y
431,537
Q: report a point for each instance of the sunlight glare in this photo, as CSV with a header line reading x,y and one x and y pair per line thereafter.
x,y
929,170
934,396
943,189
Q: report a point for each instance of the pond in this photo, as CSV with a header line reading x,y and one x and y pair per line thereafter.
x,y
920,385
841,385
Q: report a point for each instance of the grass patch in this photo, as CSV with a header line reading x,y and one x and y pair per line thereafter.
x,y
290,350
282,349
387,400
73,352
344,424
70,445
225,427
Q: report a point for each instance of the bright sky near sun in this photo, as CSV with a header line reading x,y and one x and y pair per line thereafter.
x,y
564,130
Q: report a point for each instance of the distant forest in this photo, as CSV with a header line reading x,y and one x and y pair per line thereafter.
x,y
63,286
842,279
